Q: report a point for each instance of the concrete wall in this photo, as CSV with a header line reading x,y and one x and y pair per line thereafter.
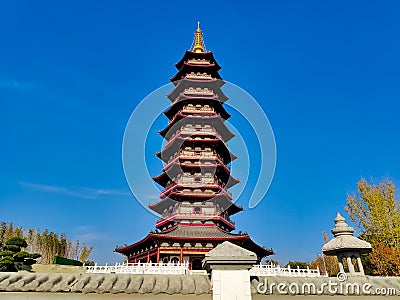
x,y
74,296
43,268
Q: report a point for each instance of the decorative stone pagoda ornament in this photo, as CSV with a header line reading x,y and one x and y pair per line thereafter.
x,y
347,248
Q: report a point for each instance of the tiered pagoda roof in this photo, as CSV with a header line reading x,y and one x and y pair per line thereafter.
x,y
195,204
194,235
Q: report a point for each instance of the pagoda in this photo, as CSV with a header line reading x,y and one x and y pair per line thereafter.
x,y
195,204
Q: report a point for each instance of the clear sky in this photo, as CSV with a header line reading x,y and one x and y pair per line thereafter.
x,y
71,73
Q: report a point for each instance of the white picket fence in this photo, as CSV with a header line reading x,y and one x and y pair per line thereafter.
x,y
276,270
140,268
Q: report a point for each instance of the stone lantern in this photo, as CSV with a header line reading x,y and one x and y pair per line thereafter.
x,y
347,248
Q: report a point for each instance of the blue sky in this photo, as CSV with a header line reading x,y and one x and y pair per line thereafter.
x,y
71,73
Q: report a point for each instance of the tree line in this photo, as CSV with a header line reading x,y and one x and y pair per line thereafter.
x,y
47,243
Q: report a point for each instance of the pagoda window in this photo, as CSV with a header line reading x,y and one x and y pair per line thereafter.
x,y
197,210
197,179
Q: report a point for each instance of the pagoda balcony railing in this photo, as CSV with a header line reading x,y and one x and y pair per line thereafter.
x,y
194,155
201,137
206,193
200,109
194,216
198,61
276,270
212,162
197,131
202,133
190,182
198,113
198,91
198,76
195,185
141,268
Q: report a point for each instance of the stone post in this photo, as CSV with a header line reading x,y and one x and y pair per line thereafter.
x,y
229,266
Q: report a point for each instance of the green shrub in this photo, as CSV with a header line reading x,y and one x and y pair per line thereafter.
x,y
7,264
20,256
35,255
7,260
7,253
13,259
17,241
13,248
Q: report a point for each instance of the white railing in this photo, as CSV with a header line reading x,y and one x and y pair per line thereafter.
x,y
140,268
183,268
276,270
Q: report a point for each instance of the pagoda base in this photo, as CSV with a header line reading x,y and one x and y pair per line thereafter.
x,y
186,243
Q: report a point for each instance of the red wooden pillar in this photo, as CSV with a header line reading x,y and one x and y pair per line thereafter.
x,y
181,257
158,255
148,256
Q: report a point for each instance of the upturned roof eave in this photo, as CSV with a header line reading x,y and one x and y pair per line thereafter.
x,y
200,55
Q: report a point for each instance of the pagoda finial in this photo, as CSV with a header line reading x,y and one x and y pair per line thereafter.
x,y
198,40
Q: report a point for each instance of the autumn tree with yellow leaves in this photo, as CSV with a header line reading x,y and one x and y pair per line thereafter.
x,y
326,263
375,210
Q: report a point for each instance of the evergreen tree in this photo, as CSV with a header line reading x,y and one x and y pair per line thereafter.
x,y
13,258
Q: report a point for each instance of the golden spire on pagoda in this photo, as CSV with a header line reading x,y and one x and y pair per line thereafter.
x,y
198,40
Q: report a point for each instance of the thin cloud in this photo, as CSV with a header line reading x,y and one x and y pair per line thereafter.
x,y
84,193
18,85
